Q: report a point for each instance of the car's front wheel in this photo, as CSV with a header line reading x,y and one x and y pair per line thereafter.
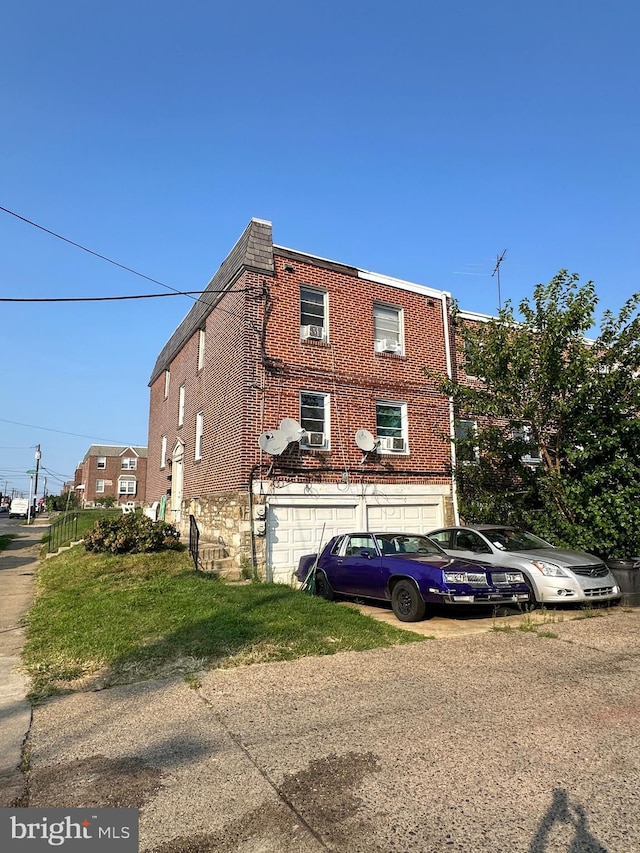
x,y
407,603
323,587
533,601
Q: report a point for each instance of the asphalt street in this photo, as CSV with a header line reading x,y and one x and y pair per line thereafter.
x,y
496,740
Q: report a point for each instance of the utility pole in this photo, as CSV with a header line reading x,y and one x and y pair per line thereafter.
x,y
35,491
499,260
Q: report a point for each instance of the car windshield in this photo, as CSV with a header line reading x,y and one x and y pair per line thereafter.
x,y
407,543
512,539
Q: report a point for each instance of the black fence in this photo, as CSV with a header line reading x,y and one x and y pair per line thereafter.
x,y
62,531
194,542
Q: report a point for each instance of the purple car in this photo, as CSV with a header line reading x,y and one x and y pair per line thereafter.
x,y
408,570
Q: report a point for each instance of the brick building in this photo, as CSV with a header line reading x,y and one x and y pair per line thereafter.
x,y
114,470
282,336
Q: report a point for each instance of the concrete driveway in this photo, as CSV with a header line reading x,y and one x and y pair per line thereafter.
x,y
503,740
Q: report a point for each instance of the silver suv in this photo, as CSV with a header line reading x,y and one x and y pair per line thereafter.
x,y
554,575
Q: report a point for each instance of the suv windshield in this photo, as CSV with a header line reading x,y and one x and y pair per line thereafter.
x,y
511,539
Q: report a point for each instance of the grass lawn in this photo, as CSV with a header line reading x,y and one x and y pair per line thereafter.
x,y
5,539
100,620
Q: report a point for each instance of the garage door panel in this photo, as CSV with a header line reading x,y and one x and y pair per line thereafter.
x,y
293,531
412,518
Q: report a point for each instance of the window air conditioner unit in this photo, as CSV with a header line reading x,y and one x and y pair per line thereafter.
x,y
313,439
387,345
314,333
388,442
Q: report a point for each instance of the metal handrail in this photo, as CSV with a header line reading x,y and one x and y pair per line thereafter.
x,y
62,531
194,542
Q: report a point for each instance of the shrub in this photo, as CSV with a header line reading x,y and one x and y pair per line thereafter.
x,y
132,534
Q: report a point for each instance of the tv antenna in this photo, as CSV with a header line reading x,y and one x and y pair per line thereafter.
x,y
496,270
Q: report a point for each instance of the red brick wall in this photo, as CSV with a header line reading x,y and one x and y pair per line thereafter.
x,y
220,390
90,473
348,368
240,398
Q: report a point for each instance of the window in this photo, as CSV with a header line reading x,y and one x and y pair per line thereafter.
x,y
531,454
313,314
99,487
163,451
128,463
387,328
167,381
391,426
181,406
467,540
126,486
355,545
201,340
314,418
102,462
472,350
199,433
466,442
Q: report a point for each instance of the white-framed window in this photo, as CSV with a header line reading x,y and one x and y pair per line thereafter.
x,y
199,434
201,343
163,451
313,314
102,462
315,420
466,432
388,328
99,487
392,426
167,382
128,463
532,454
181,406
127,486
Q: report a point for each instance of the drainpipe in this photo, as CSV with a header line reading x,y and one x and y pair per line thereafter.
x,y
452,421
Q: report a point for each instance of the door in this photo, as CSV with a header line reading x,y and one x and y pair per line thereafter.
x,y
177,483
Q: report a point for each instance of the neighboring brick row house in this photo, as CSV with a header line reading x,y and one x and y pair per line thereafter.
x,y
114,470
280,334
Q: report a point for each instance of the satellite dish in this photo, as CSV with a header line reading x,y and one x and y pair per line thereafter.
x,y
263,439
292,429
365,440
273,442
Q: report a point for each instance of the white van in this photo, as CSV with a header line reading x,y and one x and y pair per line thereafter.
x,y
19,508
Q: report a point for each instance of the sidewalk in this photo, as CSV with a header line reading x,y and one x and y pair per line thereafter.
x,y
18,566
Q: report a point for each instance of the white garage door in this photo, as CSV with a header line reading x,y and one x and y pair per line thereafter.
x,y
296,530
406,518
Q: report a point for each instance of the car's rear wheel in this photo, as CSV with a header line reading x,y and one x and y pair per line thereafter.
x,y
407,603
323,587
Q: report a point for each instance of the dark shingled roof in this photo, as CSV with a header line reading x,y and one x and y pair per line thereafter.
x,y
115,450
253,252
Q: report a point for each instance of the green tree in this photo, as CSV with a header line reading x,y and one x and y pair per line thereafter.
x,y
548,391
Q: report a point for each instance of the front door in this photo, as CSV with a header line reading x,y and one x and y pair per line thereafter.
x,y
177,481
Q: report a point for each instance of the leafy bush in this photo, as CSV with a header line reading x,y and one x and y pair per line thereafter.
x,y
132,534
106,501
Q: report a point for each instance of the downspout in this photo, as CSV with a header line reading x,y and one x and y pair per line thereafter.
x,y
452,421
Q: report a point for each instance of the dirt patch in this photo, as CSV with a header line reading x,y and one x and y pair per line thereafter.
x,y
96,782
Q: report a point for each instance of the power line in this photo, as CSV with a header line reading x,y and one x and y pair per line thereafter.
x,y
63,432
103,298
89,251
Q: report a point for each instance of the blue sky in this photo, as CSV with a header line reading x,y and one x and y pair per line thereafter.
x,y
415,139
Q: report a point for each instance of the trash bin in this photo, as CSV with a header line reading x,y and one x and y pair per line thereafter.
x,y
627,575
